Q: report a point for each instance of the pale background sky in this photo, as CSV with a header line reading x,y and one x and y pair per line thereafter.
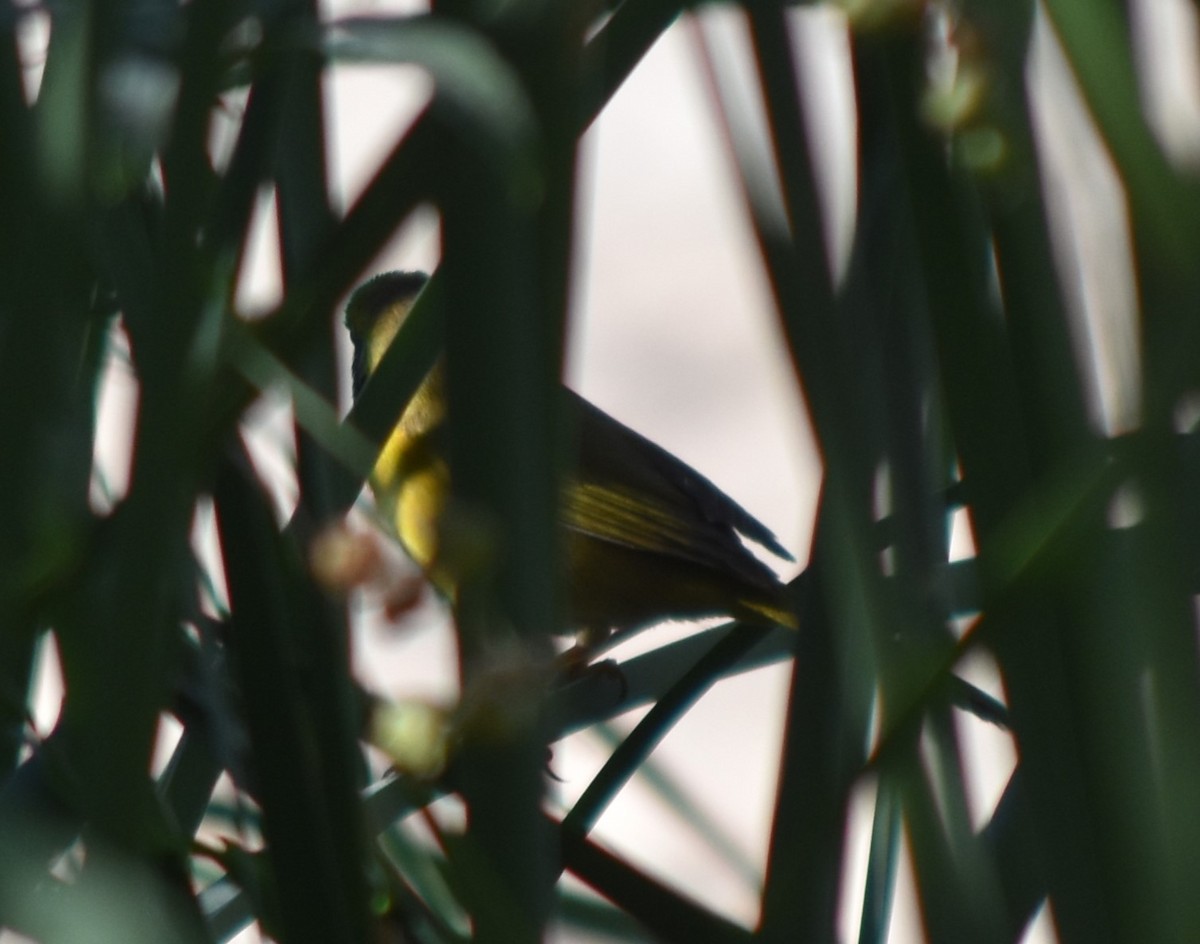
x,y
672,331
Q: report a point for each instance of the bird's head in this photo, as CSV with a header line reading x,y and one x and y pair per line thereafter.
x,y
374,314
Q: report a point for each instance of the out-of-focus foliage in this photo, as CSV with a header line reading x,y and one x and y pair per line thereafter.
x,y
946,370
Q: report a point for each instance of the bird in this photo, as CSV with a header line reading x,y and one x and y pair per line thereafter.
x,y
648,539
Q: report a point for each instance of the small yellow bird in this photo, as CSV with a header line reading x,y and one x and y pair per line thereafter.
x,y
648,538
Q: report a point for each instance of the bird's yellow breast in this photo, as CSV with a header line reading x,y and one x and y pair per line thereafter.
x,y
411,479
